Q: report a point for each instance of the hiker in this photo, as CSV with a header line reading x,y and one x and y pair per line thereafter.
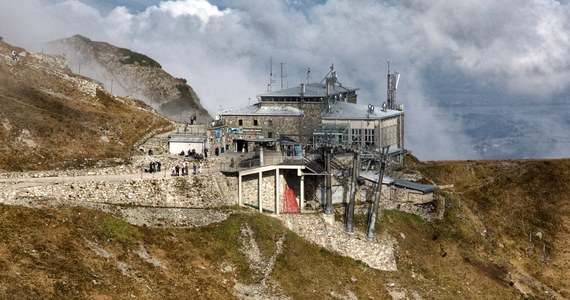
x,y
217,151
205,152
185,168
200,169
14,56
194,169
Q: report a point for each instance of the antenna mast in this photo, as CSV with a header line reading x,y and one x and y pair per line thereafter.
x,y
271,78
393,79
282,76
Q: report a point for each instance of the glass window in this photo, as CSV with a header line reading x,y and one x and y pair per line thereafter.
x,y
369,136
240,122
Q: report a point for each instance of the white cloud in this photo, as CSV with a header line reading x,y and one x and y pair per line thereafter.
x,y
511,47
199,8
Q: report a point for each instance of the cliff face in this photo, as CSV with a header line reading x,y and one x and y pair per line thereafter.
x,y
52,118
127,73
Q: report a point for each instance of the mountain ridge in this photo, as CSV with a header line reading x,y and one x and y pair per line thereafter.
x,y
53,118
128,73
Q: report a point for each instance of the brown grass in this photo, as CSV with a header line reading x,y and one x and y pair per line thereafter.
x,y
48,123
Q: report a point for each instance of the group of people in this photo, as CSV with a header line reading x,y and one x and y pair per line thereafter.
x,y
178,170
195,155
154,166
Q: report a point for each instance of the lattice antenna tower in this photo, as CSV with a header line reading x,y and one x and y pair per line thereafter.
x,y
392,81
283,75
271,76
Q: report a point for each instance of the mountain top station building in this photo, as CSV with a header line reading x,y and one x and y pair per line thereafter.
x,y
307,117
283,138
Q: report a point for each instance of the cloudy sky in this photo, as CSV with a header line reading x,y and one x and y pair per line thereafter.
x,y
444,49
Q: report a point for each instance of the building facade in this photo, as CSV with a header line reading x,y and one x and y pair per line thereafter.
x,y
312,115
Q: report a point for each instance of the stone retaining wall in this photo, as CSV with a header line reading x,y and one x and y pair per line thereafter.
x,y
203,191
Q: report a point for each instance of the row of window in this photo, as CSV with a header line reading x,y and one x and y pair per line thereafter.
x,y
255,122
292,99
366,134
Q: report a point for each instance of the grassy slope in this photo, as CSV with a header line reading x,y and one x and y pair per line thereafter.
x,y
46,253
79,253
48,123
510,219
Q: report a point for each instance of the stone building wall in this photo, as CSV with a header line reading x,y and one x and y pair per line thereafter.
x,y
392,197
250,196
299,128
307,124
412,196
203,191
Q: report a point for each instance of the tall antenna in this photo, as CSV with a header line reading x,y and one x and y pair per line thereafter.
x,y
308,74
271,78
282,63
392,82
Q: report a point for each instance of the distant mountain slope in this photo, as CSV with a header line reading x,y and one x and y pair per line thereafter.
x,y
512,217
127,73
51,118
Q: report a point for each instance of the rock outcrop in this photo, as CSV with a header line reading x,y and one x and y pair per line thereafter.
x,y
127,73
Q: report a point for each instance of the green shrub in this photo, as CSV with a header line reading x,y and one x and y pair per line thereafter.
x,y
134,57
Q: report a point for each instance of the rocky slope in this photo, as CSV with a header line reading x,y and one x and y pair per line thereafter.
x,y
128,73
52,118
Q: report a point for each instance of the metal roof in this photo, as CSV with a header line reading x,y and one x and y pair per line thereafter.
x,y
373,176
424,188
260,140
186,138
311,90
258,110
351,111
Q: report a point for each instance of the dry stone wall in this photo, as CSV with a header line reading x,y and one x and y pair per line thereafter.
x,y
203,191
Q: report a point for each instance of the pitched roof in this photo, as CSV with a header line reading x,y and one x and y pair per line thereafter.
x,y
257,110
186,138
311,90
350,111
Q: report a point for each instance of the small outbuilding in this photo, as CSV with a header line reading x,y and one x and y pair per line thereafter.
x,y
179,142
